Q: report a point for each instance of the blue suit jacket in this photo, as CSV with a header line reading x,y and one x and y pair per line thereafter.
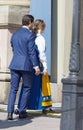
x,y
24,53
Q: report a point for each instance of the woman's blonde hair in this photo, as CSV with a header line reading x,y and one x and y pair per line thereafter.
x,y
38,24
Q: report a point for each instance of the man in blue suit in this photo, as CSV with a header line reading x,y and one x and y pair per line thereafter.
x,y
22,64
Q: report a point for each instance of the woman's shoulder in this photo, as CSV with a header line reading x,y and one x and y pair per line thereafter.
x,y
40,37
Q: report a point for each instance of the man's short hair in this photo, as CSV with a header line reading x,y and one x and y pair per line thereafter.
x,y
27,19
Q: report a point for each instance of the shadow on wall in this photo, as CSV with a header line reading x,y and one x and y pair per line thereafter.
x,y
81,62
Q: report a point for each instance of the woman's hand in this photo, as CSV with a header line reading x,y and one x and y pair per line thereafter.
x,y
45,72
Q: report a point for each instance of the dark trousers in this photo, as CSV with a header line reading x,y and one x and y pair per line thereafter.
x,y
27,78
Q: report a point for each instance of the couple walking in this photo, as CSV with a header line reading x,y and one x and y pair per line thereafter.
x,y
28,61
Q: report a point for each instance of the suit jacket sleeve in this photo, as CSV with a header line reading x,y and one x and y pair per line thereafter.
x,y
32,51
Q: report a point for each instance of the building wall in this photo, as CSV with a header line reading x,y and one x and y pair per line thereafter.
x,y
68,35
64,41
64,36
15,2
54,41
11,12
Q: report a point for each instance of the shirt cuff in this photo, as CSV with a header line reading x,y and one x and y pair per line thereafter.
x,y
36,67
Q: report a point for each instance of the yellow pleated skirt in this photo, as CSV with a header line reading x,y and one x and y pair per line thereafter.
x,y
46,91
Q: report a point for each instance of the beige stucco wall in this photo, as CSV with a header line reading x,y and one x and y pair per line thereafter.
x,y
11,13
61,35
64,41
15,2
64,36
68,35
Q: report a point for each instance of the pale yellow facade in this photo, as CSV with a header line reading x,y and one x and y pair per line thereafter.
x,y
64,18
65,9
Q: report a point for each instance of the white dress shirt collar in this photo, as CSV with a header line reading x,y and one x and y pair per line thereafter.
x,y
25,27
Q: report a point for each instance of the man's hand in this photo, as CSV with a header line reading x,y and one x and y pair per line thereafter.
x,y
37,71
